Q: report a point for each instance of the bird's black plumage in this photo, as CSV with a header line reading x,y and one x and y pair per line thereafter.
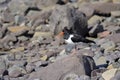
x,y
76,37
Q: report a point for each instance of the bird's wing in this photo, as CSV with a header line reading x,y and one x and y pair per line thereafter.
x,y
78,38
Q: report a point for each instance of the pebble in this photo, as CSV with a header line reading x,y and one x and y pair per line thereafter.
x,y
94,19
14,71
110,45
101,61
22,38
30,67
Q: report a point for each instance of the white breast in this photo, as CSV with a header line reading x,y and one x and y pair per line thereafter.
x,y
69,41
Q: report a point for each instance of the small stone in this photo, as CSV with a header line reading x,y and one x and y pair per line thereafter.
x,y
107,75
30,67
44,58
1,1
8,38
108,46
71,77
2,66
94,20
6,77
101,41
43,34
43,4
100,61
38,64
11,57
15,71
18,56
116,1
22,38
18,7
19,19
110,67
115,38
69,47
115,13
103,34
7,17
105,1
19,49
84,77
95,30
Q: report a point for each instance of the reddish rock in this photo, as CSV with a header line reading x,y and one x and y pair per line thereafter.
x,y
103,34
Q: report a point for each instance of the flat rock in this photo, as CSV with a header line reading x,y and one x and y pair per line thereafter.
x,y
115,13
18,7
107,75
16,29
110,45
15,71
116,1
42,34
19,49
41,4
115,38
100,61
103,34
94,19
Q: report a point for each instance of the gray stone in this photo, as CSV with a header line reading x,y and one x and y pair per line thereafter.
x,y
30,67
7,16
15,71
71,77
2,66
22,38
31,3
18,56
18,7
115,38
117,76
6,77
84,77
1,1
69,47
101,61
108,46
95,30
41,4
11,57
58,69
65,16
38,18
115,13
19,19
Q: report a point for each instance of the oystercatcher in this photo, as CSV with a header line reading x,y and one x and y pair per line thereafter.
x,y
71,37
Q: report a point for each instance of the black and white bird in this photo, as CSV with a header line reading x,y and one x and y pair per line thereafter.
x,y
72,38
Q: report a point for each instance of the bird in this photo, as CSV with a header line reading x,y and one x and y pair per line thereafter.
x,y
72,38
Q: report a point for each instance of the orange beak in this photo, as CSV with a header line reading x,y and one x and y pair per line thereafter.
x,y
60,34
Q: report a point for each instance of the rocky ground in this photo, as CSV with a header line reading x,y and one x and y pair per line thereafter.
x,y
31,49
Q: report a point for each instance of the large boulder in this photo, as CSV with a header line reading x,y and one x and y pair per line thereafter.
x,y
78,65
67,16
